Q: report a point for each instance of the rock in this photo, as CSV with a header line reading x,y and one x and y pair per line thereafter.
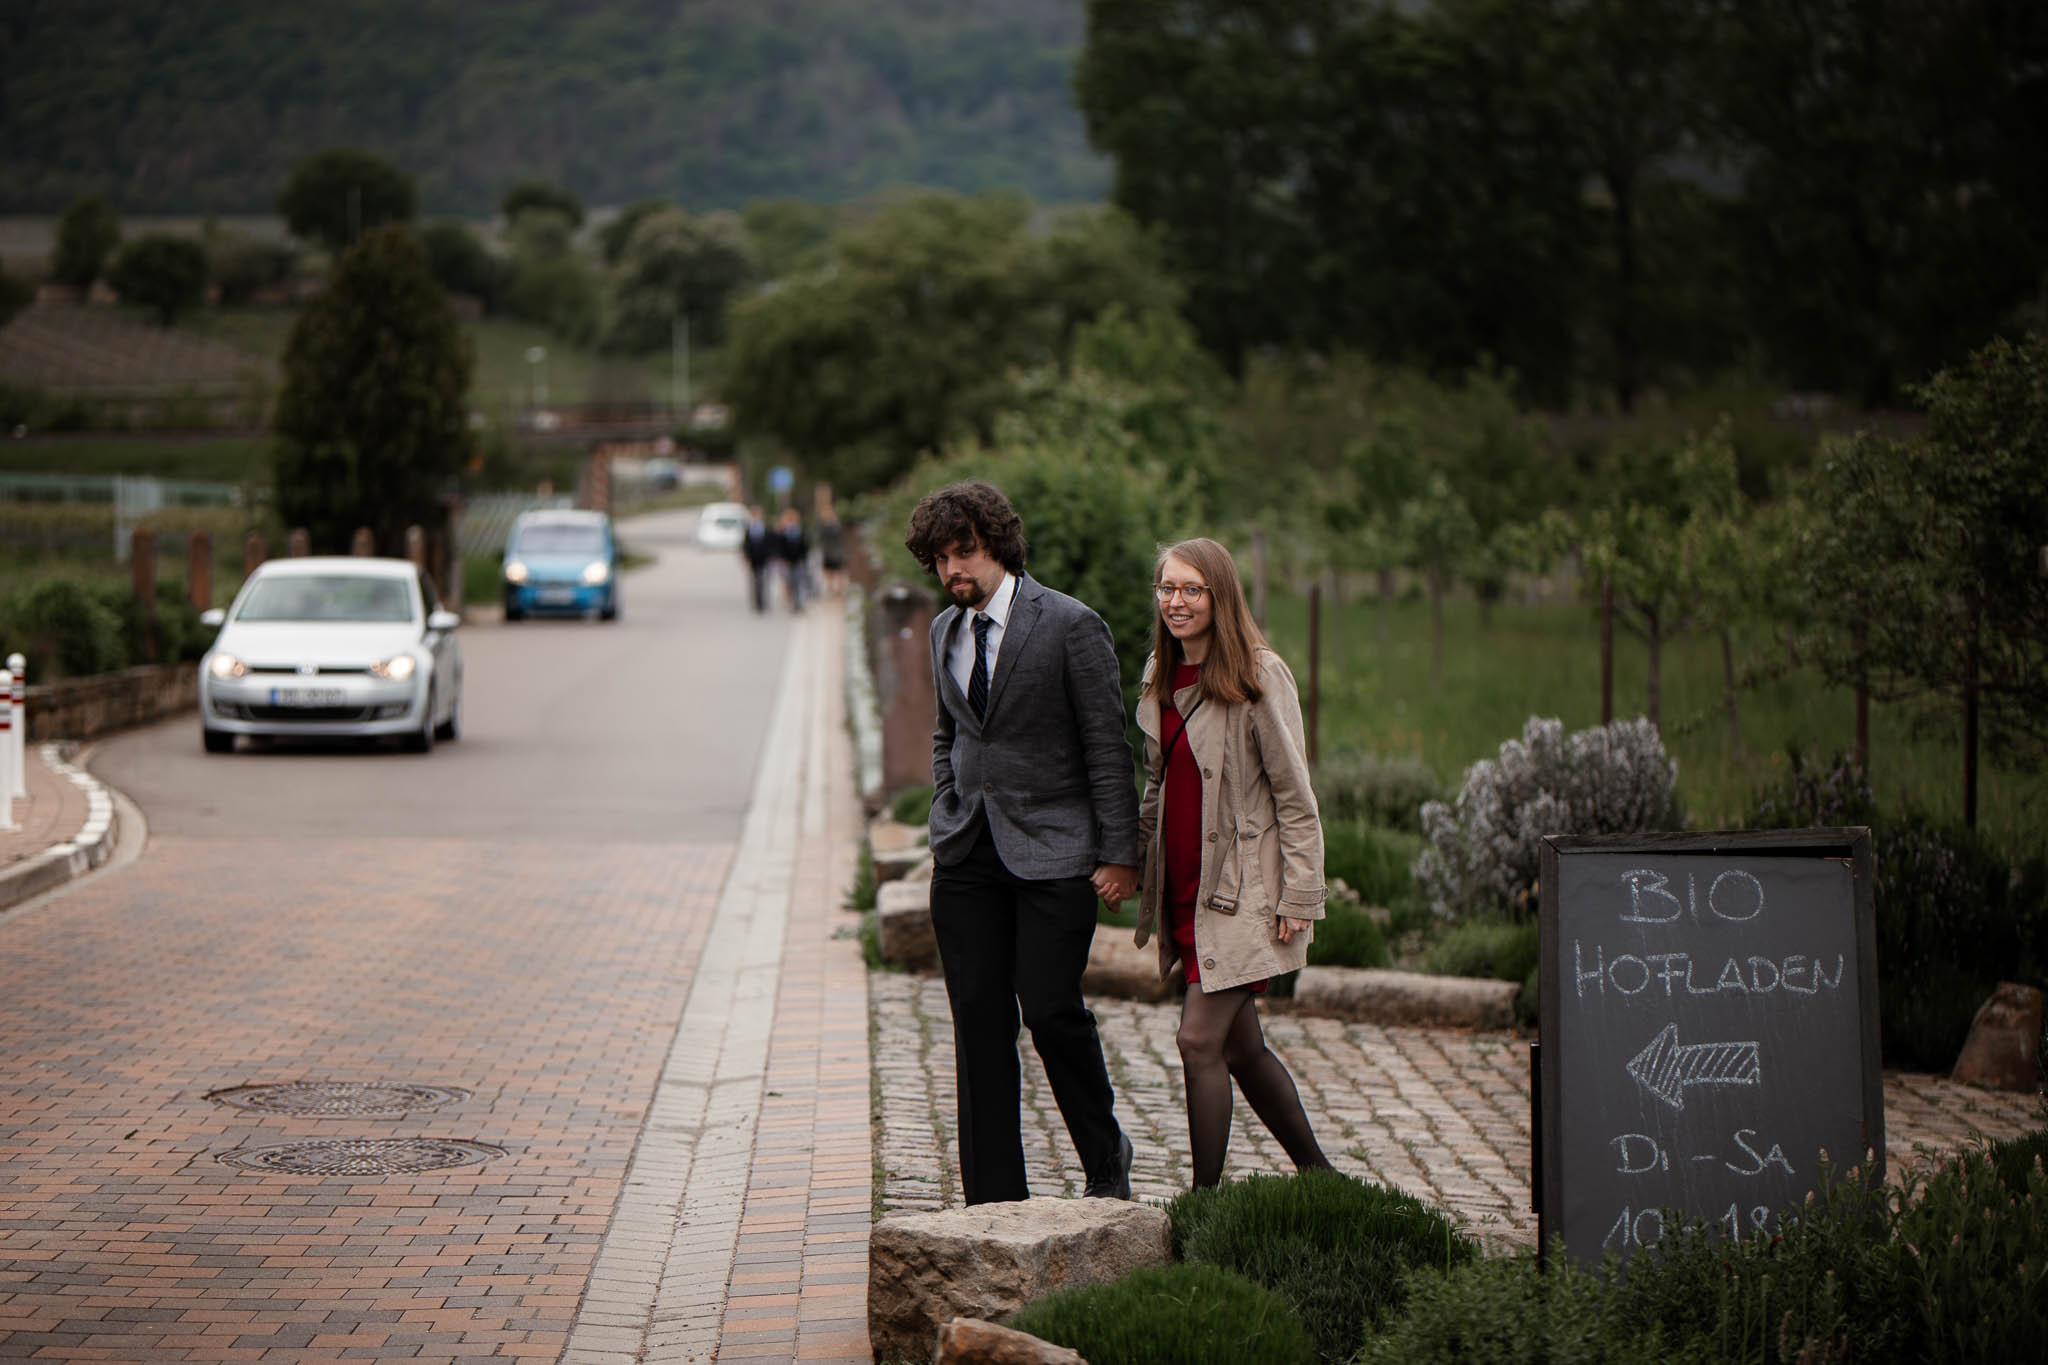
x,y
922,872
925,1269
895,849
2003,1051
903,918
970,1341
1118,967
1376,995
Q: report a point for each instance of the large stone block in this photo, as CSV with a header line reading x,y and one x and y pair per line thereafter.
x,y
1379,996
903,918
970,1341
2003,1051
925,1269
1120,968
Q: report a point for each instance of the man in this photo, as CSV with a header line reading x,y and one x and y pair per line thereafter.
x,y
760,549
1033,816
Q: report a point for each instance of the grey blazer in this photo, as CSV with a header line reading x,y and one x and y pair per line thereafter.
x,y
1050,766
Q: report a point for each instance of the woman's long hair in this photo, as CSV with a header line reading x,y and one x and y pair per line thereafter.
x,y
1230,670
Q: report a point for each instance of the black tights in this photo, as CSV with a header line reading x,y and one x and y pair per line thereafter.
x,y
1220,1040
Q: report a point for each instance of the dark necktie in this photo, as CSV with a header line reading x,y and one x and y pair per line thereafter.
x,y
977,682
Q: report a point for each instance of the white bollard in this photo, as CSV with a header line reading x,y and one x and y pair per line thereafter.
x,y
7,752
18,666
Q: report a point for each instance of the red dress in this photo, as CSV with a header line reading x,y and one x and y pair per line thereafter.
x,y
1180,828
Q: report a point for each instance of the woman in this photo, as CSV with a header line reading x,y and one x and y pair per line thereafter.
x,y
1233,846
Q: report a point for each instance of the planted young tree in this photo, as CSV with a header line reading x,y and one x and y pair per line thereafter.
x,y
1934,548
334,197
462,263
86,236
373,421
162,273
529,195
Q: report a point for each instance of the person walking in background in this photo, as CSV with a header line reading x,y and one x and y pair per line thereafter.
x,y
795,550
1233,844
1033,817
831,549
758,547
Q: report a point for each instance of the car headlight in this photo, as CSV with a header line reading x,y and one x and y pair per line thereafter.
x,y
398,667
226,666
596,572
515,572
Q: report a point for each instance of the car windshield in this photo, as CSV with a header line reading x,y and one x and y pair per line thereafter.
x,y
561,540
326,597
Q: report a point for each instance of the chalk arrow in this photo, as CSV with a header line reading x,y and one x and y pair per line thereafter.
x,y
1665,1068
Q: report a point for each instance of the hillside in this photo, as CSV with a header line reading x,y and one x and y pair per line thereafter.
x,y
204,106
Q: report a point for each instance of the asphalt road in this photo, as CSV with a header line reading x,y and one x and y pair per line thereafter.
x,y
646,728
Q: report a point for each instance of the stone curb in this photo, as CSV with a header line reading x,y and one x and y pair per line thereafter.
x,y
89,848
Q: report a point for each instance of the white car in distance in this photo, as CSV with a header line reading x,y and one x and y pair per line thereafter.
x,y
722,525
336,647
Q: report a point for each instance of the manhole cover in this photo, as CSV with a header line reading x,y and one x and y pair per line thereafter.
x,y
338,1099
361,1156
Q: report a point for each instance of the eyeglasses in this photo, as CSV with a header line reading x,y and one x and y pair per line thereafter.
x,y
1191,593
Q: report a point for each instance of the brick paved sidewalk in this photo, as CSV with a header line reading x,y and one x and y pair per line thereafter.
x,y
742,1231
1441,1114
52,812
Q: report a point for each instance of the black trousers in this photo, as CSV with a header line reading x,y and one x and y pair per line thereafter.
x,y
1012,948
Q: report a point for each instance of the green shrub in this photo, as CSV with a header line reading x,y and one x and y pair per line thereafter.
x,y
1347,936
1374,862
1335,1248
1948,1266
861,895
1954,918
1376,790
912,806
64,629
1504,950
1170,1315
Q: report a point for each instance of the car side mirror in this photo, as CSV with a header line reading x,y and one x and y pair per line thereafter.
x,y
442,620
213,616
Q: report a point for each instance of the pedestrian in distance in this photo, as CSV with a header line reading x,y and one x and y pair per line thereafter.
x,y
831,550
759,549
795,551
1233,844
1033,817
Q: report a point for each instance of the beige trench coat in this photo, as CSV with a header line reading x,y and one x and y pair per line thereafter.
x,y
1262,837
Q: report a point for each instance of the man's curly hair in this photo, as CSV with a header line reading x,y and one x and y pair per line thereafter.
x,y
972,513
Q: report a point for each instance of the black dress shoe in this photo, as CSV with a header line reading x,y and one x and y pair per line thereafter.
x,y
1116,1183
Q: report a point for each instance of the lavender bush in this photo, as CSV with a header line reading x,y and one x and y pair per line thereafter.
x,y
1483,849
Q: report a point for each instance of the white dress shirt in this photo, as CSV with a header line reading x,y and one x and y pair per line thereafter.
x,y
961,661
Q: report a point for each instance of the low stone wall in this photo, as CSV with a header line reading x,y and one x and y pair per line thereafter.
x,y
86,708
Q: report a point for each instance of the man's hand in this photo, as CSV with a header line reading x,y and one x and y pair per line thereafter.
x,y
1115,883
1289,927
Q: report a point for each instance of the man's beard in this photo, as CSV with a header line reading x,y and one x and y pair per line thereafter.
x,y
968,594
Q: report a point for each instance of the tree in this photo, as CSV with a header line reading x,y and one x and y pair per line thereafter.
x,y
528,195
678,265
241,265
787,233
163,273
86,236
913,337
462,263
1934,548
1894,205
613,236
373,420
334,197
548,281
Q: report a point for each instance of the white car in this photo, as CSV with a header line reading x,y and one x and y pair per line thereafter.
x,y
722,525
336,646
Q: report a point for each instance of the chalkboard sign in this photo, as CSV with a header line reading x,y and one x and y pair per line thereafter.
x,y
1709,1030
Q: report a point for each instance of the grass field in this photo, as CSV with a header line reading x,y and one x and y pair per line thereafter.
x,y
208,459
1545,660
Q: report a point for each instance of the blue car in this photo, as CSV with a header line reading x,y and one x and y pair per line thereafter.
x,y
562,563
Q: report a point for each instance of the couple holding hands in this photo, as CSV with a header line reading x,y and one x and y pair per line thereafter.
x,y
1034,816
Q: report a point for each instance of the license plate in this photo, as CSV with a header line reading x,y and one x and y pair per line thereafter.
x,y
557,596
308,696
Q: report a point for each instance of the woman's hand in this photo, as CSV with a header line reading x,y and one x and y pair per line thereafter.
x,y
1290,927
